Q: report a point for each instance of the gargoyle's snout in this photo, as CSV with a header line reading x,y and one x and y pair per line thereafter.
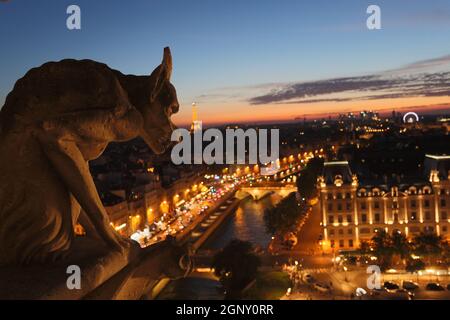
x,y
174,108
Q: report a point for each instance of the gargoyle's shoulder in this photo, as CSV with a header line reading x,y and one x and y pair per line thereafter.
x,y
59,87
70,64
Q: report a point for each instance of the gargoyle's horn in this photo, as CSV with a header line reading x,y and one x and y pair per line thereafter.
x,y
167,62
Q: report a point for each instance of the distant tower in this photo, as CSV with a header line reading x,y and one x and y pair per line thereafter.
x,y
196,124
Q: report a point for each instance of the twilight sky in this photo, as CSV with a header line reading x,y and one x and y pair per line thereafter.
x,y
249,60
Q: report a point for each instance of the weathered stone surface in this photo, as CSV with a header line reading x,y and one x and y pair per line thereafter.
x,y
57,118
105,274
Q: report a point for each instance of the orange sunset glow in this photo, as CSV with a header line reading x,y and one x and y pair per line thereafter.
x,y
244,112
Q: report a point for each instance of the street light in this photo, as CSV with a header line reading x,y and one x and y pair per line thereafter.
x,y
345,270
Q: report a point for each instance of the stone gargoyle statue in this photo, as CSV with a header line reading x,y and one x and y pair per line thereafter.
x,y
58,117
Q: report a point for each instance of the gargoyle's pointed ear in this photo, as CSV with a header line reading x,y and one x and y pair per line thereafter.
x,y
167,63
161,74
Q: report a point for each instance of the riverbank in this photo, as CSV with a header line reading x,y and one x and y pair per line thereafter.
x,y
200,230
244,220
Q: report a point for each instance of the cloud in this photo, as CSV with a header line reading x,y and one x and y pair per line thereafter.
x,y
424,64
426,78
415,79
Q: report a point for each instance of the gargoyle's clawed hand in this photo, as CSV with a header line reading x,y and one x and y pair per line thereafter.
x,y
116,241
112,239
127,243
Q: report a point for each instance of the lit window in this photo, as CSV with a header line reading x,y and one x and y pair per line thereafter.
x,y
364,218
377,217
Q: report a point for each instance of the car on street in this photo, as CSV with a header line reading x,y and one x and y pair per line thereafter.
x,y
309,278
409,285
359,292
433,286
376,293
405,291
391,286
321,287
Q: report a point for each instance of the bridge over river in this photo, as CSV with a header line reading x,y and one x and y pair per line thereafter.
x,y
248,202
259,190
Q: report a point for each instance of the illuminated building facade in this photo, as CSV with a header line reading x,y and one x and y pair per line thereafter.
x,y
353,211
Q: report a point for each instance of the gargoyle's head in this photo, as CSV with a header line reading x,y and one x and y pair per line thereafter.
x,y
163,103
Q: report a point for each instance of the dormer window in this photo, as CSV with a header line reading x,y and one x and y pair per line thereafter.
x,y
338,180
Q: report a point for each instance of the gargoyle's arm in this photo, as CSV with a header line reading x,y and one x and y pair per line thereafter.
x,y
73,169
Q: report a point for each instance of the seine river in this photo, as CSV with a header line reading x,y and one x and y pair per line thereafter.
x,y
247,223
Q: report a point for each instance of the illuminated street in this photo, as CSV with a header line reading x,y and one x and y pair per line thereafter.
x,y
212,191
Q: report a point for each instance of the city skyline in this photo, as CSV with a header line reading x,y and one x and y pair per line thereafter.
x,y
318,63
236,151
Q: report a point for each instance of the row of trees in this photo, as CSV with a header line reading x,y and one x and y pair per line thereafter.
x,y
307,179
284,217
395,248
236,266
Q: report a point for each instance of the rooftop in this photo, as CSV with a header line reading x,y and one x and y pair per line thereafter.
x,y
337,169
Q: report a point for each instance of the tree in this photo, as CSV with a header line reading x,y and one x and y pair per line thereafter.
x,y
400,245
382,248
414,265
364,247
446,253
428,245
315,165
386,247
284,216
306,182
236,265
